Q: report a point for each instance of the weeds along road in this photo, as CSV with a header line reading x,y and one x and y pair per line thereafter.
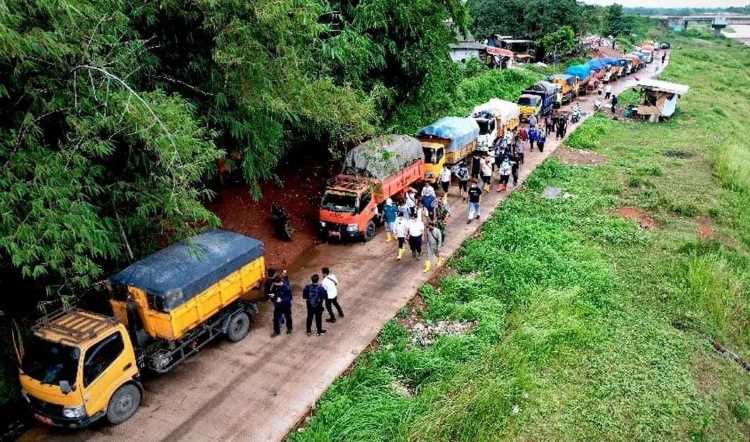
x,y
260,388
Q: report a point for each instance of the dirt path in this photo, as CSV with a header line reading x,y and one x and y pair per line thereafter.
x,y
258,389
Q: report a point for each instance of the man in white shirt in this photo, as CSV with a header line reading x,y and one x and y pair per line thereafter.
x,y
445,179
331,283
415,229
401,231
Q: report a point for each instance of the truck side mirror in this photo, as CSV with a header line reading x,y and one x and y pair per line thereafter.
x,y
65,387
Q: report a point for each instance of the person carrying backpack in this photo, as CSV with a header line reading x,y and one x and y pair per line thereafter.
x,y
315,295
389,216
462,173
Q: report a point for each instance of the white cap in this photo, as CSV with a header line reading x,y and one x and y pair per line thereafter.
x,y
389,201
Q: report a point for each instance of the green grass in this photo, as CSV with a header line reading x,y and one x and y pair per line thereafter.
x,y
589,327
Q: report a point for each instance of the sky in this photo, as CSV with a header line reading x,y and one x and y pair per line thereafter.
x,y
672,3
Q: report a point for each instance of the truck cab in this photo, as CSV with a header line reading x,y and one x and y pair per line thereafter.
x,y
488,130
348,209
434,159
530,105
568,85
79,367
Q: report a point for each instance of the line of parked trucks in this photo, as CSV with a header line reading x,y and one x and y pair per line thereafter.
x,y
386,167
79,366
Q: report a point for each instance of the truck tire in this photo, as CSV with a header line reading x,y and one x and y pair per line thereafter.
x,y
370,231
238,326
123,404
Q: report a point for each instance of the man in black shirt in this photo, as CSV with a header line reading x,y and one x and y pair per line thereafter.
x,y
281,296
475,193
315,295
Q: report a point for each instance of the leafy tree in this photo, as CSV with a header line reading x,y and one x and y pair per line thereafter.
x,y
529,18
560,42
398,52
616,23
93,166
257,71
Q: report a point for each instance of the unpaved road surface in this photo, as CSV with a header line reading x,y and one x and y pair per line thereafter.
x,y
260,388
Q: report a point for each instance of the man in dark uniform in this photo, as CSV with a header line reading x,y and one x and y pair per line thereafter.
x,y
281,296
315,295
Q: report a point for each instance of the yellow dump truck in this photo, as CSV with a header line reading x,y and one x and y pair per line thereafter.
x,y
81,366
446,142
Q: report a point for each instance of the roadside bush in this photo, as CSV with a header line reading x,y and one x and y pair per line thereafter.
x,y
588,135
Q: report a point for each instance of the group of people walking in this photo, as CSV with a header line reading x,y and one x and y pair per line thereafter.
x,y
420,221
319,294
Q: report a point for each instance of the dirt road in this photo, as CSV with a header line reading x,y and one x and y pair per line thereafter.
x,y
258,389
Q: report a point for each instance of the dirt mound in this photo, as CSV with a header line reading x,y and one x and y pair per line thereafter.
x,y
705,227
424,334
679,154
579,157
638,215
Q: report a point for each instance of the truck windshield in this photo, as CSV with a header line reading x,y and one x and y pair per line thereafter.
x,y
433,156
339,202
50,362
485,126
528,101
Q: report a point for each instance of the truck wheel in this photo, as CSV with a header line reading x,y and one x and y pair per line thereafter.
x,y
238,327
123,404
369,231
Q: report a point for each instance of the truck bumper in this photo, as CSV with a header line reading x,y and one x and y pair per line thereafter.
x,y
334,232
51,414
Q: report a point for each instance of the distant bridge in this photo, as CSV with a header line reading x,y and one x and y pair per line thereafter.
x,y
718,21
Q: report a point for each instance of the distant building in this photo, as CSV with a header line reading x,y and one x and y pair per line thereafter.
x,y
463,51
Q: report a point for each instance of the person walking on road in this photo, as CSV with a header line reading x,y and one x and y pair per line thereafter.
x,y
442,213
608,92
505,169
564,123
401,232
519,152
390,213
614,103
281,296
445,179
515,164
315,295
434,238
549,124
475,195
411,201
462,173
532,121
415,229
428,197
523,136
476,165
486,169
541,140
330,283
533,136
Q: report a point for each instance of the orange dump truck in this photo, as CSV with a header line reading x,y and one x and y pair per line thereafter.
x,y
80,366
373,172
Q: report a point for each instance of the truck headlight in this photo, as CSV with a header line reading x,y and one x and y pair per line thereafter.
x,y
74,412
352,228
322,224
